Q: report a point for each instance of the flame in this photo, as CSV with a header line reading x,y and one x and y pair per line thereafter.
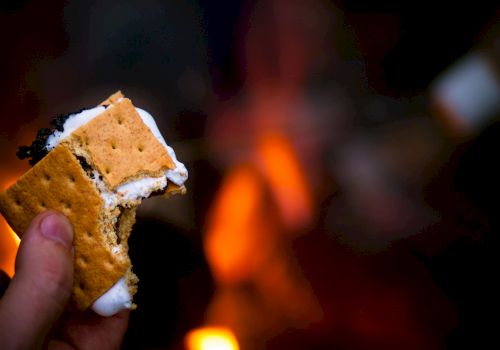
x,y
286,179
211,338
244,242
9,241
237,240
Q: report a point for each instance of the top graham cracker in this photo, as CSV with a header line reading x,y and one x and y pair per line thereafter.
x,y
120,146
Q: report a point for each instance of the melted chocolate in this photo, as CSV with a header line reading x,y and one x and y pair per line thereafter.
x,y
37,150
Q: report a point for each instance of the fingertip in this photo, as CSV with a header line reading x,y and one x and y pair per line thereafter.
x,y
43,280
56,227
38,240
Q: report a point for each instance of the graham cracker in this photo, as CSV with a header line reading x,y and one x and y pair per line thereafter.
x,y
173,189
112,99
58,182
120,146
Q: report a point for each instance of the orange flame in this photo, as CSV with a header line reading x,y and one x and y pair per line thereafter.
x,y
9,241
236,242
211,338
286,179
242,228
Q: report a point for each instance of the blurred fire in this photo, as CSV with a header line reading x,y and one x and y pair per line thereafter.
x,y
286,179
238,239
260,205
9,241
265,200
242,229
211,338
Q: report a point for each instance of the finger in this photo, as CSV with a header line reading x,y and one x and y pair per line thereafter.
x,y
59,345
87,330
41,287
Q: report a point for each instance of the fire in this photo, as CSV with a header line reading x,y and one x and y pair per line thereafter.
x,y
211,338
237,242
258,204
9,241
241,228
284,174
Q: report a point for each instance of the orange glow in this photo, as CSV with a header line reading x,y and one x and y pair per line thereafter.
x,y
237,239
9,241
284,175
211,338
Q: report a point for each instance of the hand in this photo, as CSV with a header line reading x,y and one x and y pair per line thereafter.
x,y
33,309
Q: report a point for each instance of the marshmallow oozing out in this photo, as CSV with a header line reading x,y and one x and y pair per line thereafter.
x,y
117,298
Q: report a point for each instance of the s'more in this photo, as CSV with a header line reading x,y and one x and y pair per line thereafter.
x,y
96,166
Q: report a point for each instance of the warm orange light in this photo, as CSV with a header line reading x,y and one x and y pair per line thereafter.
x,y
242,225
211,338
9,241
286,179
237,239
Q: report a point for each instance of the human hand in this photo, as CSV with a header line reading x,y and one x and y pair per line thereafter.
x,y
33,310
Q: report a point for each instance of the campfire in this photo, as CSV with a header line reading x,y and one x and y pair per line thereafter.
x,y
9,241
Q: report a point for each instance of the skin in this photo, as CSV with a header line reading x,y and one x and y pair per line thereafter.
x,y
33,310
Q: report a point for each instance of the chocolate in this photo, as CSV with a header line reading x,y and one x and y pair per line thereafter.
x,y
37,150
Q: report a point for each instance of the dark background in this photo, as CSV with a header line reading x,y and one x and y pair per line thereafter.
x,y
181,60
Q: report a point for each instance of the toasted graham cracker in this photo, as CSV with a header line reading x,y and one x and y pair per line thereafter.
x,y
120,146
173,189
112,99
58,182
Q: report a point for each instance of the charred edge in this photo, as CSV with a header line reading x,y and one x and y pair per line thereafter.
x,y
117,225
158,192
37,150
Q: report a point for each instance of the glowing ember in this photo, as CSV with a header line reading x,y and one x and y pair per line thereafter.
x,y
211,338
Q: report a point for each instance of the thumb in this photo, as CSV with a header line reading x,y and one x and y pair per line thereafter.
x,y
41,287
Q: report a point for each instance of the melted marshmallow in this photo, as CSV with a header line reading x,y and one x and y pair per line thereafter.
x,y
130,191
117,298
73,122
178,175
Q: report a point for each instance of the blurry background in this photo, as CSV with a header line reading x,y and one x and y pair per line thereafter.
x,y
342,156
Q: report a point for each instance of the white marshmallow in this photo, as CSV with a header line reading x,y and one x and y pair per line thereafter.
x,y
73,122
117,298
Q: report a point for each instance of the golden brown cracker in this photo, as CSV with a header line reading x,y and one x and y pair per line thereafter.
x,y
112,99
121,146
173,189
58,182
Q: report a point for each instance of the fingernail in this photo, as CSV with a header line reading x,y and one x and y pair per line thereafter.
x,y
57,228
